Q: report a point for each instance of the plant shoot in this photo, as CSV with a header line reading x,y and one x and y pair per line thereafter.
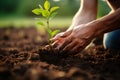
x,y
47,12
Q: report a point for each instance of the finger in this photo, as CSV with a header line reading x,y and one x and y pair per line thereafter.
x,y
55,44
70,46
47,46
57,36
61,35
65,34
67,41
54,39
76,50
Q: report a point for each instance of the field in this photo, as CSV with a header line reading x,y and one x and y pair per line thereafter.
x,y
22,58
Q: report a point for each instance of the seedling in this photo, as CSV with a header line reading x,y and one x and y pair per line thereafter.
x,y
48,13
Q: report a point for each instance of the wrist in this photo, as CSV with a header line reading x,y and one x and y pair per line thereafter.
x,y
83,17
94,28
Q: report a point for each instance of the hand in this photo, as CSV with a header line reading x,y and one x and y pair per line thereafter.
x,y
58,39
80,37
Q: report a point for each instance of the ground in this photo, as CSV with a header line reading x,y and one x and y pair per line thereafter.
x,y
21,59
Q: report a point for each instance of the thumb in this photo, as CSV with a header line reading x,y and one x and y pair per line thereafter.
x,y
57,37
61,35
65,34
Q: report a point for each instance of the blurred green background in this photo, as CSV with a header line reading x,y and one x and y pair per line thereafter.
x,y
18,13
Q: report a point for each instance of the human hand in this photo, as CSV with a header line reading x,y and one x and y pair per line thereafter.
x,y
80,37
58,39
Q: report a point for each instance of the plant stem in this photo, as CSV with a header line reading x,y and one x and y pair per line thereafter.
x,y
48,26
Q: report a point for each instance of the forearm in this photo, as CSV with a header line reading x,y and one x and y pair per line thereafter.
x,y
108,23
86,13
114,4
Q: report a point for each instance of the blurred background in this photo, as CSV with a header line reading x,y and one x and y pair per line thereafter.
x,y
18,13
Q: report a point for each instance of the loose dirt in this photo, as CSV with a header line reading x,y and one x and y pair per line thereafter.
x,y
21,58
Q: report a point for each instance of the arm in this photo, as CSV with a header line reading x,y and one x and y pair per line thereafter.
x,y
83,34
86,13
108,23
111,21
114,4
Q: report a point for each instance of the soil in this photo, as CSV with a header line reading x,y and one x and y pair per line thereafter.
x,y
23,57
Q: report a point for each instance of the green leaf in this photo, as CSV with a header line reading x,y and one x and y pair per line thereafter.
x,y
55,32
53,15
54,9
37,11
45,13
46,5
41,23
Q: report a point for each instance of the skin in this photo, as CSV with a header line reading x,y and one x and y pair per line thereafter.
x,y
86,13
81,33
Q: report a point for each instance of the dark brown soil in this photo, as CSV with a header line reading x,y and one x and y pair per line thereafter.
x,y
22,57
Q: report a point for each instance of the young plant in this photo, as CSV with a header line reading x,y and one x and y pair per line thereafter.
x,y
48,13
